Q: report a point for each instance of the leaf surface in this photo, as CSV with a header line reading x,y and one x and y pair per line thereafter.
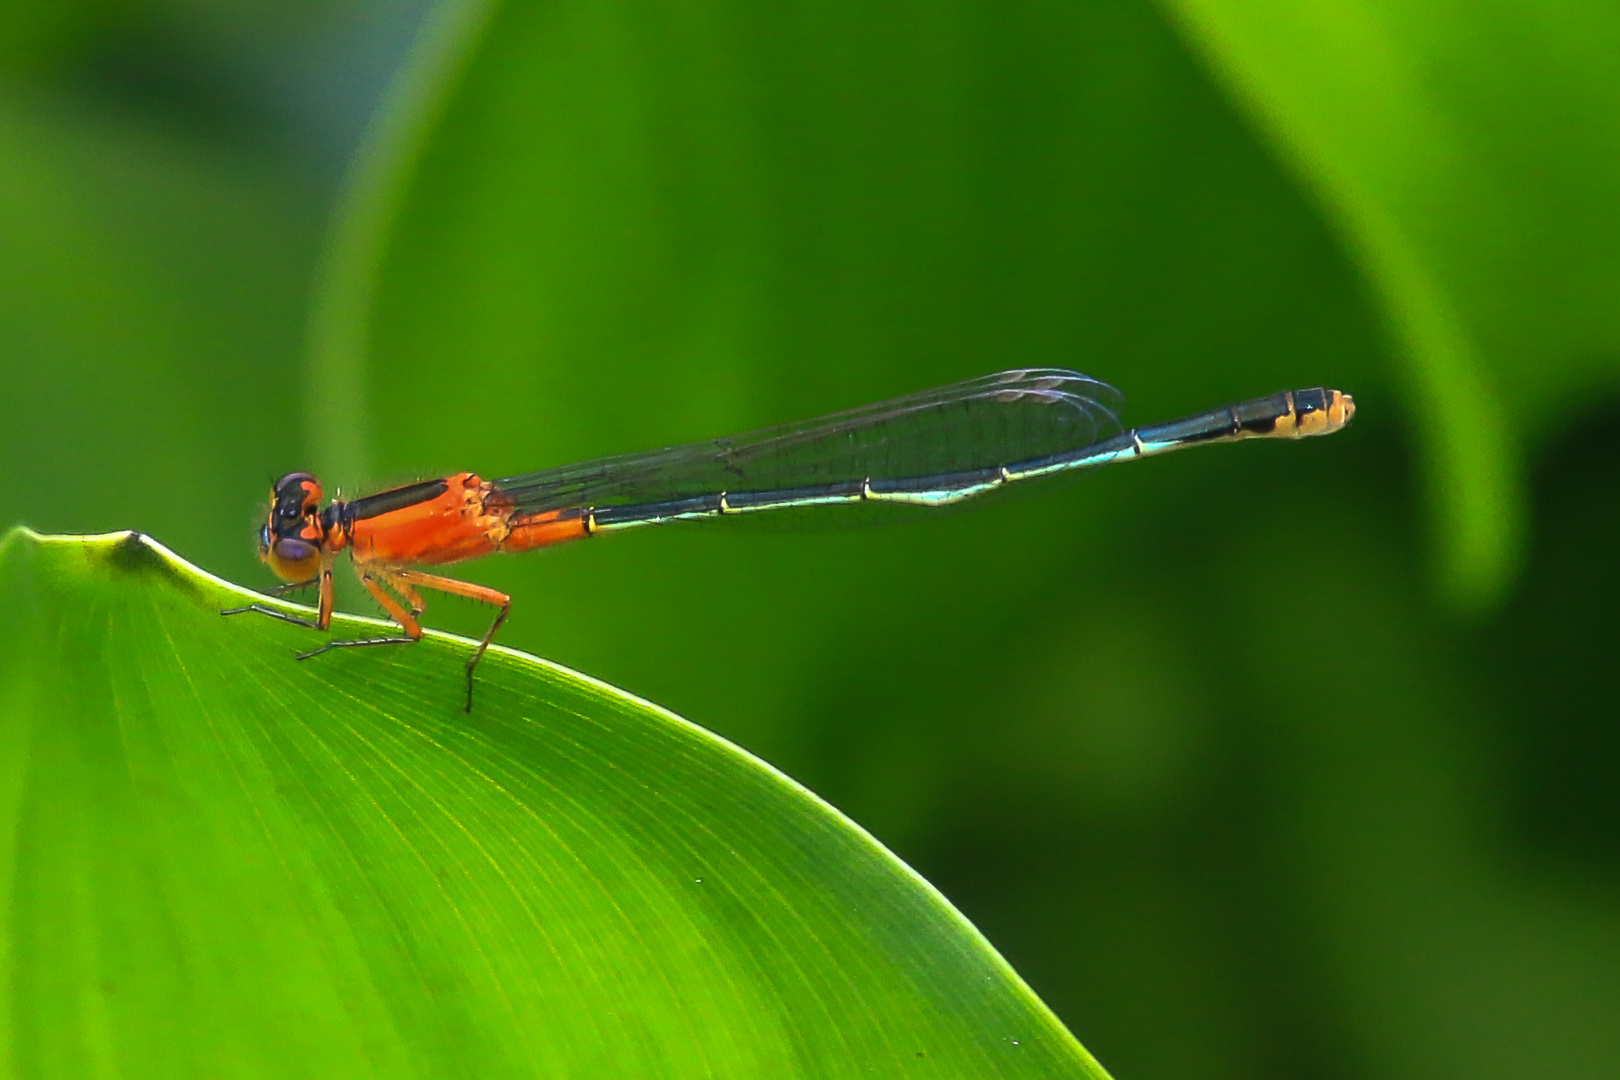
x,y
224,862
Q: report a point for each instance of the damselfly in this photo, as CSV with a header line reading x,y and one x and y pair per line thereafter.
x,y
931,449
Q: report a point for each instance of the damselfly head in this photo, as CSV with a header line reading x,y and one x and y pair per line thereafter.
x,y
290,542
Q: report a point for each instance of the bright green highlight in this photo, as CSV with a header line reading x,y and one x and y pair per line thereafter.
x,y
226,863
1467,156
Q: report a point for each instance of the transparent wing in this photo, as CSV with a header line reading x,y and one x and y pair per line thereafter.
x,y
993,420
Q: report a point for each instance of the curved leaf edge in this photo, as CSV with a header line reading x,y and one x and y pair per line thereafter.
x,y
137,551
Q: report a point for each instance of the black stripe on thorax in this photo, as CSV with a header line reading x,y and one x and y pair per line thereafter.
x,y
386,502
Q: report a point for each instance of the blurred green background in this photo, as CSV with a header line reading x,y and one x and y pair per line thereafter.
x,y
1277,760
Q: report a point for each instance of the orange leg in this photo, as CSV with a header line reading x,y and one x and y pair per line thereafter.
x,y
404,579
323,617
324,608
408,594
407,623
404,583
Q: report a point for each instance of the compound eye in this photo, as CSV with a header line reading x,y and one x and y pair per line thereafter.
x,y
293,559
292,550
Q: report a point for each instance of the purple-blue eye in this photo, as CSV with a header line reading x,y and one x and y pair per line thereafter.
x,y
292,550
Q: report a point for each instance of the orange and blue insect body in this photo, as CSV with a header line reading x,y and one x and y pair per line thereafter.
x,y
438,522
931,449
428,524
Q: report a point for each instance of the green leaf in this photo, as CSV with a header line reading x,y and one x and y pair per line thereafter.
x,y
223,862
1468,156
